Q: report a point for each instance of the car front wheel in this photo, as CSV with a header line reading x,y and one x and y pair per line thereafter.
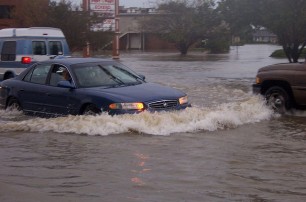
x,y
91,110
278,98
13,104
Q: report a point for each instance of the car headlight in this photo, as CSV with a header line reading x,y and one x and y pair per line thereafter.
x,y
127,106
183,100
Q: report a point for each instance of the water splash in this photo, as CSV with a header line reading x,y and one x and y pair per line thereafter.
x,y
13,115
193,119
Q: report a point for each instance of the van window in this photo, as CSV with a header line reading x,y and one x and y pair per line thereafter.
x,y
55,48
39,48
8,52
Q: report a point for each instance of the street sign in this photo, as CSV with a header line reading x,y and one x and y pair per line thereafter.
x,y
109,10
103,1
106,25
106,9
103,8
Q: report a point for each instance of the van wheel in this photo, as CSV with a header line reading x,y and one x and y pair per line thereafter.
x,y
8,76
13,104
278,98
91,110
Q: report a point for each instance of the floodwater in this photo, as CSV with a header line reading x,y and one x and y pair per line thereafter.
x,y
228,147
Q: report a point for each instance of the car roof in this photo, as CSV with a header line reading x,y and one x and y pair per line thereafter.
x,y
72,60
66,61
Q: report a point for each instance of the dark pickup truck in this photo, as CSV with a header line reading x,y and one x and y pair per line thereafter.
x,y
283,85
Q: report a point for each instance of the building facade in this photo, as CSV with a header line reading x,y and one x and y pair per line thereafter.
x,y
264,36
7,8
132,36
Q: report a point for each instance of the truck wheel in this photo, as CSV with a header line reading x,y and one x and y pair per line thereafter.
x,y
278,98
13,104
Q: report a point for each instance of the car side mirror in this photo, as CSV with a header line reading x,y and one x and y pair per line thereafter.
x,y
142,77
65,84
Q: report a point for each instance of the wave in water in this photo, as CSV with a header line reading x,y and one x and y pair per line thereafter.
x,y
193,119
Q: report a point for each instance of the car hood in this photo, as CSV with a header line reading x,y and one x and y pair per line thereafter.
x,y
145,92
284,66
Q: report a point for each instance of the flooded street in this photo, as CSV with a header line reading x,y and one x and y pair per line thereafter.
x,y
228,147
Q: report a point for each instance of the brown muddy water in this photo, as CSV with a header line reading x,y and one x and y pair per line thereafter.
x,y
228,147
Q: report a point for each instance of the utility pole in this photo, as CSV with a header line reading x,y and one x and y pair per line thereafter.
x,y
117,32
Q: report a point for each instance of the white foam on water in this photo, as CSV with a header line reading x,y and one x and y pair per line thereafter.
x,y
194,119
11,115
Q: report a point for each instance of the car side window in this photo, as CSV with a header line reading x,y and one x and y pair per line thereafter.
x,y
39,74
39,48
59,73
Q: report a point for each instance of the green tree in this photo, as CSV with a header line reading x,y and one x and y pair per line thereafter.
x,y
219,40
285,18
184,23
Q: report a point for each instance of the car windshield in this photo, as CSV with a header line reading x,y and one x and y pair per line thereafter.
x,y
107,75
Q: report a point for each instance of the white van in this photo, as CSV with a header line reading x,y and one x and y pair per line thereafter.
x,y
22,47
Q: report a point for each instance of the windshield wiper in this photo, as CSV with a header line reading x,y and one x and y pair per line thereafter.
x,y
114,78
136,77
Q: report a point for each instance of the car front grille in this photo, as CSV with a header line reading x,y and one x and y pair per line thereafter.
x,y
163,104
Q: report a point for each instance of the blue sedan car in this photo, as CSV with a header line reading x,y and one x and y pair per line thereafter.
x,y
86,86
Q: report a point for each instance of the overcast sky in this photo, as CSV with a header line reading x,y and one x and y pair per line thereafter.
x,y
130,3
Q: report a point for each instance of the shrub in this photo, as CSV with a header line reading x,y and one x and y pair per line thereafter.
x,y
281,54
